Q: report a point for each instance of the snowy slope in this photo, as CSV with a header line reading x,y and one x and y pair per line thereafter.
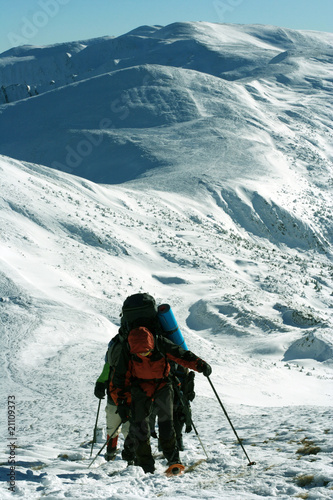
x,y
221,207
72,250
186,106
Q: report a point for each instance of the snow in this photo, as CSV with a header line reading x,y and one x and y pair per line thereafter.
x,y
192,161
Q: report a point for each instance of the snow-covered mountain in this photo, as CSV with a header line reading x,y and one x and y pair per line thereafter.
x,y
193,161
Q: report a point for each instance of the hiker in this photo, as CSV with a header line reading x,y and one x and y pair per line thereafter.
x,y
114,423
183,383
182,415
146,358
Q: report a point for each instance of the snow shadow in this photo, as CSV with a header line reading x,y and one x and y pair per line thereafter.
x,y
206,317
299,319
170,280
266,219
309,347
27,475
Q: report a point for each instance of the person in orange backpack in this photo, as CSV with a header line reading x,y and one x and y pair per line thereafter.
x,y
147,359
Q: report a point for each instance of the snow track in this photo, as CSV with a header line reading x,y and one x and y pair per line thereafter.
x,y
289,446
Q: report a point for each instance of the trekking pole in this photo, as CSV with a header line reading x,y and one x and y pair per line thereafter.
x,y
105,444
95,429
195,430
217,397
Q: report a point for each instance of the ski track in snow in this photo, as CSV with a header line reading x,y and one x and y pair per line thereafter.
x,y
234,231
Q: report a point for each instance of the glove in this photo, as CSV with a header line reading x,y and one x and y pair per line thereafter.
x,y
204,368
188,428
123,411
191,396
99,390
189,386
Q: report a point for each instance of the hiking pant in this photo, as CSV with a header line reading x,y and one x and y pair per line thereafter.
x,y
112,422
179,419
142,406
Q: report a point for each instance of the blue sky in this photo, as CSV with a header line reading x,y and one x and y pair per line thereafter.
x,y
44,22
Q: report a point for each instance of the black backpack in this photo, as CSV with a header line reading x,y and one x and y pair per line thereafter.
x,y
138,310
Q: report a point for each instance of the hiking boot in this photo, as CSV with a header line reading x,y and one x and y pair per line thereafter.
x,y
110,454
128,455
175,469
148,468
111,449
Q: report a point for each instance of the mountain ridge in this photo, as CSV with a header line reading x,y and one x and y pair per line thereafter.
x,y
177,127
134,44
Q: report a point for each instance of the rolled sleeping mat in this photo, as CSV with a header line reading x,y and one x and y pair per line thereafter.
x,y
169,325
